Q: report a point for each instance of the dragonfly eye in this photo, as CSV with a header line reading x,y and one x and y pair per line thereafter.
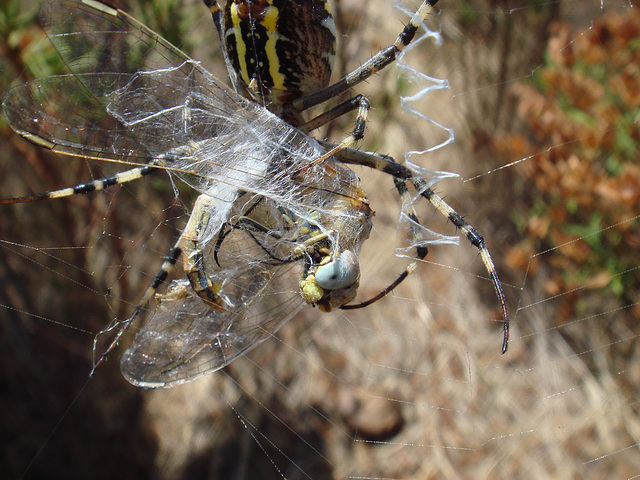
x,y
340,273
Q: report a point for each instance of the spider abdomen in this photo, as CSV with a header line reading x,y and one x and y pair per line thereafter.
x,y
280,50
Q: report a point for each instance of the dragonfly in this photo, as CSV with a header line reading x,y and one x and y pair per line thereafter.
x,y
280,218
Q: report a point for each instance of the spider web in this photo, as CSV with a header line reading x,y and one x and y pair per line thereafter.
x,y
413,386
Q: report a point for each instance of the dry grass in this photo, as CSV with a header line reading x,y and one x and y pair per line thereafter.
x,y
548,408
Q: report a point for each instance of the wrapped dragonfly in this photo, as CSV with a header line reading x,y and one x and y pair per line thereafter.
x,y
274,203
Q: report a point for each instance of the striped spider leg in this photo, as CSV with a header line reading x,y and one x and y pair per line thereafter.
x,y
156,108
401,174
150,106
281,55
269,61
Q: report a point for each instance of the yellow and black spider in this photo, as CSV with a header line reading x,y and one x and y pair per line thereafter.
x,y
271,198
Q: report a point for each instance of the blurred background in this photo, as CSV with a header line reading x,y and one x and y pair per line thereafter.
x,y
544,100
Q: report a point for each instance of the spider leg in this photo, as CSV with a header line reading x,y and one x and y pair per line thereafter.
x,y
401,175
84,188
379,61
305,240
159,278
362,104
216,13
189,243
477,241
194,265
330,115
421,250
94,186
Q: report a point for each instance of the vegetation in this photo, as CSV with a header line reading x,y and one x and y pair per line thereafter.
x,y
582,173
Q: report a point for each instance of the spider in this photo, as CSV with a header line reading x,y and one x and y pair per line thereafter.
x,y
271,198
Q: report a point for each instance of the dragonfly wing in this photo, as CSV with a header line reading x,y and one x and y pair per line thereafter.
x,y
145,100
256,277
59,113
133,119
93,37
133,95
125,117
158,92
185,339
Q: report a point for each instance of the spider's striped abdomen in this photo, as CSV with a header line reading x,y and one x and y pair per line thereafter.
x,y
280,50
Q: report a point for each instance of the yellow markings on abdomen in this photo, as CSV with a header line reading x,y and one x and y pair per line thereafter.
x,y
241,46
270,23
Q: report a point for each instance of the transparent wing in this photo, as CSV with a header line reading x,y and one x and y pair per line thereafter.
x,y
93,37
185,340
210,143
134,118
62,114
131,90
257,279
108,98
134,98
